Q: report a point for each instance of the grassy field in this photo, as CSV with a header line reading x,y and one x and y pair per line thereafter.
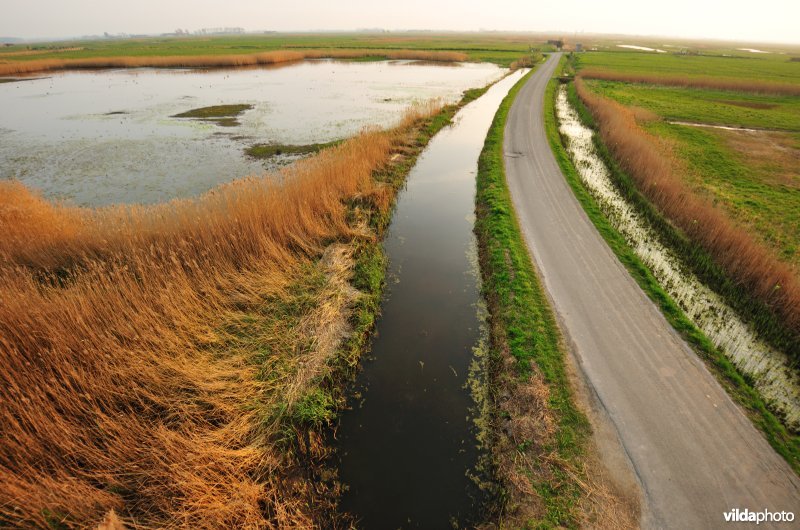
x,y
501,49
785,443
746,179
713,63
753,176
719,107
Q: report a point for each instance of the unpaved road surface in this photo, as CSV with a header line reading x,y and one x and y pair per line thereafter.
x,y
694,452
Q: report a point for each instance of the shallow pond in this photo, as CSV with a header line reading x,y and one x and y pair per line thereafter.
x,y
108,136
771,370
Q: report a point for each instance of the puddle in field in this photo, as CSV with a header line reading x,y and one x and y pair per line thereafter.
x,y
641,48
769,368
409,445
104,137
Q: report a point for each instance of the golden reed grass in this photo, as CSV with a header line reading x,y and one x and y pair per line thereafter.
x,y
718,83
219,61
743,258
121,386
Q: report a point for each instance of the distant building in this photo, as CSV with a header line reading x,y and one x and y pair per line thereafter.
x,y
220,31
578,47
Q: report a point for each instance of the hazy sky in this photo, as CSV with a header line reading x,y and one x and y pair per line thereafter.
x,y
754,20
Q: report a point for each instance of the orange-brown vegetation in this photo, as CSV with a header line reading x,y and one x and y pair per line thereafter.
x,y
216,61
719,83
149,355
744,259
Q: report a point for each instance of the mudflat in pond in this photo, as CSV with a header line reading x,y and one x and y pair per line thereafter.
x,y
110,136
409,444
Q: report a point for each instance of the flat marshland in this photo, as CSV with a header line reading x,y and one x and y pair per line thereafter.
x,y
734,192
501,48
175,363
180,362
699,190
147,135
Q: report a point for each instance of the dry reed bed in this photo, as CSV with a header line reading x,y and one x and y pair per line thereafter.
x,y
746,261
132,339
718,83
219,61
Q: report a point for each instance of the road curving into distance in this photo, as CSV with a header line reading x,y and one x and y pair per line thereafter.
x,y
695,453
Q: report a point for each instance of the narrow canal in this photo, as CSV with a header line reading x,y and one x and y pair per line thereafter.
x,y
408,446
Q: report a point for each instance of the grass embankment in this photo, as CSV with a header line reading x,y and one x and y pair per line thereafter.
x,y
177,363
745,85
222,115
784,442
539,437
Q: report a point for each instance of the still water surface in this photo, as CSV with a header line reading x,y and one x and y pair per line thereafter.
x,y
105,137
408,446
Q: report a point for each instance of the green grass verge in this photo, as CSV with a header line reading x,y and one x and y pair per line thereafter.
x,y
767,67
718,107
784,442
523,322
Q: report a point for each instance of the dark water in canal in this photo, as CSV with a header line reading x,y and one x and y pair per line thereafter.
x,y
409,443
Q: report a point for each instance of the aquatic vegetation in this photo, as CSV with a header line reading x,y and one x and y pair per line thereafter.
x,y
265,151
733,84
222,115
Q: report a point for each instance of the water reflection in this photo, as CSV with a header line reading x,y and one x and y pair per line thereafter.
x,y
408,447
106,136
